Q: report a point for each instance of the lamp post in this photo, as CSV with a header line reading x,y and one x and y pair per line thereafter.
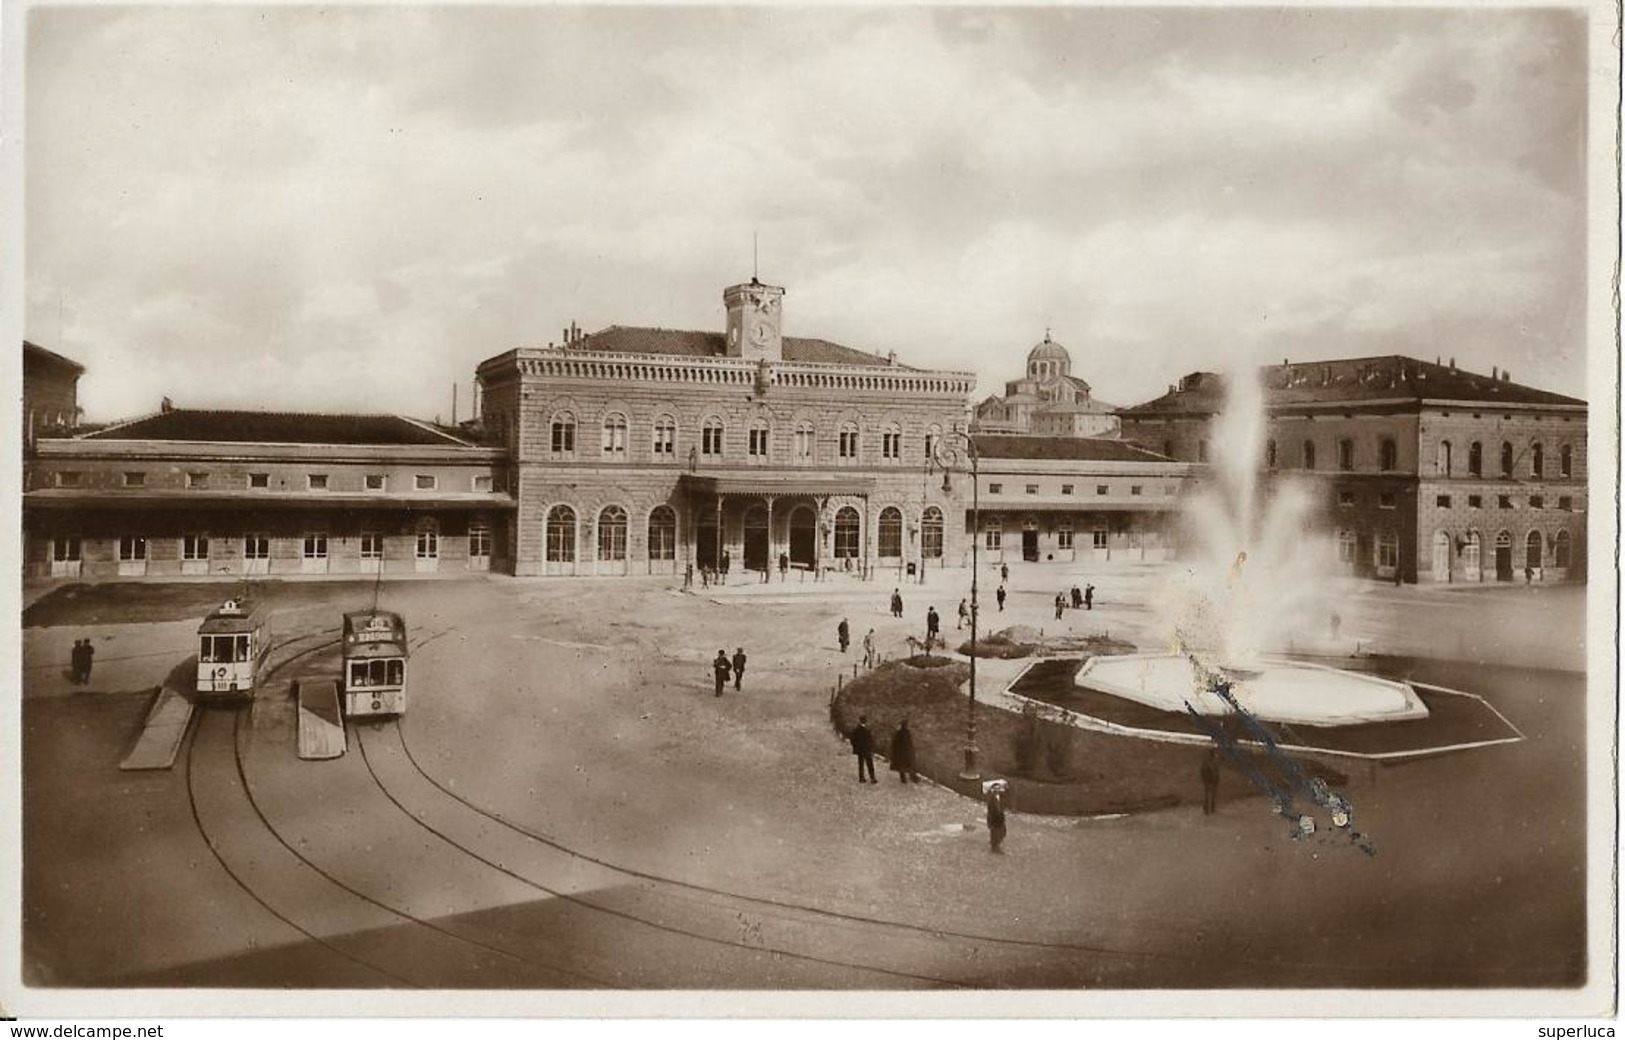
x,y
953,451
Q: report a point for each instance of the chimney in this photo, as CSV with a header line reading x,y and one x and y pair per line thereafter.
x,y
1452,364
1506,376
166,406
891,357
1495,372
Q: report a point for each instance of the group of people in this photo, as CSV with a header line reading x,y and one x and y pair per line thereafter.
x,y
723,669
82,658
900,754
1084,599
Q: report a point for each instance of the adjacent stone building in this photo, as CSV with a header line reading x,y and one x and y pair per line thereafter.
x,y
649,451
50,393
1423,471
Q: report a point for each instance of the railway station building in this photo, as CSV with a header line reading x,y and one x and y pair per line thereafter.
x,y
1425,472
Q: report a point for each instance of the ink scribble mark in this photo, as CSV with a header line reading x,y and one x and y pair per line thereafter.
x,y
1298,784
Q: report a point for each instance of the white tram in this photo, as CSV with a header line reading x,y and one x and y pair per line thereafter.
x,y
232,644
374,663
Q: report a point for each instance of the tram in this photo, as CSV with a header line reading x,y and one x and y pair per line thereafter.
x,y
374,663
232,643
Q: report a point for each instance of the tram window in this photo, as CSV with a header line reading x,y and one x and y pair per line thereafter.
x,y
240,645
358,673
396,671
205,650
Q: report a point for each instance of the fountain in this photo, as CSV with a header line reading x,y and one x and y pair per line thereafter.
x,y
1253,580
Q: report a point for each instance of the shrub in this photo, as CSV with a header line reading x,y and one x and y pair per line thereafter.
x,y
1027,740
1058,749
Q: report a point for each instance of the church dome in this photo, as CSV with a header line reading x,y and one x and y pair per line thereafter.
x,y
1048,359
1049,350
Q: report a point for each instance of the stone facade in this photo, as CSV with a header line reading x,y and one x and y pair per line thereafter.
x,y
50,392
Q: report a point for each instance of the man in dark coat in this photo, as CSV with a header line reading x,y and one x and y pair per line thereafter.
x,y
1060,605
933,625
902,754
739,667
784,565
1210,783
89,659
1077,597
843,632
863,746
1088,597
721,669
1004,573
1000,595
995,819
727,561
896,603
78,661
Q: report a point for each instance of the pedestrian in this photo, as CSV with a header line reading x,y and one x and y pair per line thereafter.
x,y
1004,573
1210,783
705,575
89,659
688,576
784,566
1337,623
902,754
964,613
869,649
1528,576
896,603
995,817
1088,597
933,624
1077,597
1060,605
77,671
727,562
721,669
843,632
1000,595
863,746
739,667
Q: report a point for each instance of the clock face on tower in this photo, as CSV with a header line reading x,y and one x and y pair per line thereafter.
x,y
760,334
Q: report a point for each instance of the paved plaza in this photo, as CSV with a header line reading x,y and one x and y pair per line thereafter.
x,y
566,805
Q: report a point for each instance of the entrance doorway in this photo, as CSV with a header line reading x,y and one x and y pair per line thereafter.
x,y
756,538
1029,546
803,536
705,540
1441,556
1503,557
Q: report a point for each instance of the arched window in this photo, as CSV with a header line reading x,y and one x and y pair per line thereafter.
x,y
428,547
615,435
891,442
849,440
931,533
1388,454
564,433
711,437
1562,550
1503,540
1537,460
612,533
1531,550
1565,461
890,531
662,533
992,533
1443,462
1308,454
759,437
1441,556
1475,459
848,534
561,535
1387,550
665,439
1472,552
1506,458
1269,453
1345,454
804,441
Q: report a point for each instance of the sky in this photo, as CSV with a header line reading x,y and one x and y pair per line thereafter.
x,y
347,208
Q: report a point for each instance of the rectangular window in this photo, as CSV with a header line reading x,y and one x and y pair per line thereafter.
x,y
849,444
132,547
891,445
256,547
1103,489
375,482
1135,489
483,482
1385,501
259,480
68,479
995,489
425,481
372,545
1504,501
428,544
758,443
195,547
564,437
197,480
665,442
1345,498
479,540
64,549
135,480
993,538
1537,501
1063,538
1066,489
711,440
1100,539
1442,501
1565,503
316,545
1032,489
1345,455
1475,501
316,481
1169,490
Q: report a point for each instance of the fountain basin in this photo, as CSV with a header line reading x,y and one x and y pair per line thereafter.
x,y
1274,690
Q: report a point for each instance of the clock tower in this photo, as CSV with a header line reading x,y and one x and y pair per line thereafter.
x,y
754,312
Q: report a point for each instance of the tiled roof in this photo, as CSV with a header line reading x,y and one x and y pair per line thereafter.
x,y
628,339
1072,449
1353,380
184,424
1087,407
36,353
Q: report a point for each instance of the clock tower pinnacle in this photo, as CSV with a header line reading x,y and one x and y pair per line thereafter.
x,y
754,314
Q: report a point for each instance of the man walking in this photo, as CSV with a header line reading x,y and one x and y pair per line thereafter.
x,y
933,625
843,632
995,817
1088,597
1004,574
902,754
1000,595
739,667
1060,605
863,746
727,561
1210,783
88,659
869,649
721,668
1077,597
896,603
77,671
964,614
784,566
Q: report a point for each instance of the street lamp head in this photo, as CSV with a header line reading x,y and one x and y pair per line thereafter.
x,y
947,483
